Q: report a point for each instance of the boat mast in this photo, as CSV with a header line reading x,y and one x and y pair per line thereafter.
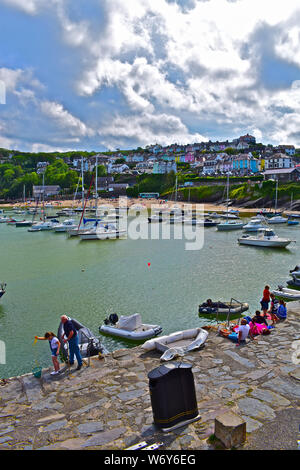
x,y
227,195
276,195
43,196
176,188
96,187
82,183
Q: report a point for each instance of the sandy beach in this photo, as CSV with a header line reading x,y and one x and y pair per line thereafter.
x,y
148,203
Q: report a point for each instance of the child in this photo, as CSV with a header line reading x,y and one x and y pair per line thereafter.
x,y
265,300
55,347
273,309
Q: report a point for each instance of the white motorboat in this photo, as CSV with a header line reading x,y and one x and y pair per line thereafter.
x,y
74,232
178,343
266,238
253,225
229,215
129,327
103,232
277,219
65,225
286,294
4,219
42,226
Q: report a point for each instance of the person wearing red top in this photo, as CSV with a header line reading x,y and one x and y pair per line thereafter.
x,y
265,300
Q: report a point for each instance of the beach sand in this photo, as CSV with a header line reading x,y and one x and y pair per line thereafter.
x,y
148,203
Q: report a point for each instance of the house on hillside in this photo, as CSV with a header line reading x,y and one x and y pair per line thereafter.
x,y
283,174
39,191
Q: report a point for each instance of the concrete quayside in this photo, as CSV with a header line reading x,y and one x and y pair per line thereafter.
x,y
107,405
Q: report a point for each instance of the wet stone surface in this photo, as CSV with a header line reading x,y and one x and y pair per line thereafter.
x,y
108,406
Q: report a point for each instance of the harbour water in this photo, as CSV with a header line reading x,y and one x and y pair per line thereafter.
x,y
48,274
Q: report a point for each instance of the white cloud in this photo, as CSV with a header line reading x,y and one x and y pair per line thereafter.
x,y
145,129
64,119
174,64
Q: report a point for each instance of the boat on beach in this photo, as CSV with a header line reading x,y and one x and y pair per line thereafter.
x,y
176,344
89,344
129,327
265,238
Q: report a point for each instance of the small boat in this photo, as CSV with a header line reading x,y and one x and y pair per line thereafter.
x,y
178,343
266,238
4,219
229,215
277,219
292,222
286,294
89,344
42,226
24,223
67,224
212,308
2,289
197,221
103,232
295,282
229,225
253,225
129,327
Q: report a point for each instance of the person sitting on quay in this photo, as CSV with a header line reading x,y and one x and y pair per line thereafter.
x,y
238,334
281,313
273,309
259,325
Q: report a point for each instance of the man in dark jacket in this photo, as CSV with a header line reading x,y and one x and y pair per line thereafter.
x,y
72,338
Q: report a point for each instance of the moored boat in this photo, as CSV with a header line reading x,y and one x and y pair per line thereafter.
x,y
213,308
265,238
286,294
129,327
89,344
2,289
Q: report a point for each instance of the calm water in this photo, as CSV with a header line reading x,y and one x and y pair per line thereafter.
x,y
48,275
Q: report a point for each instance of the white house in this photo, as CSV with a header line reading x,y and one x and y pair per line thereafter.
x,y
278,160
160,168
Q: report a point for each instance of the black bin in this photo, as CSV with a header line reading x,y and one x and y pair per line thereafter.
x,y
172,392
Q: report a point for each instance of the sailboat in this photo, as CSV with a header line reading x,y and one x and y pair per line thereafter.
x,y
100,230
230,224
277,218
24,222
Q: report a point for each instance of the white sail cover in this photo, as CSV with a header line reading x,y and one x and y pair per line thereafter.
x,y
130,323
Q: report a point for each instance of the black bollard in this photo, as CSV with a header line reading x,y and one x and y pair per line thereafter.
x,y
173,396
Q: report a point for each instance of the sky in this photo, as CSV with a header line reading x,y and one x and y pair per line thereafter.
x,y
100,75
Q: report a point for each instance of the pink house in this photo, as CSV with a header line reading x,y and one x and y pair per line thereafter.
x,y
189,157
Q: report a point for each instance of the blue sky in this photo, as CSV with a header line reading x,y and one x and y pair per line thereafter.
x,y
107,74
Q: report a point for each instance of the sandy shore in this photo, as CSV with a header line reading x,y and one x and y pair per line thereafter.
x,y
208,207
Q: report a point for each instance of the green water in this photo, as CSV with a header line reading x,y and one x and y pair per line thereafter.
x,y
48,275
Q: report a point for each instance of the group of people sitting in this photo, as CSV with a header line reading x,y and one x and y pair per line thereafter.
x,y
258,325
